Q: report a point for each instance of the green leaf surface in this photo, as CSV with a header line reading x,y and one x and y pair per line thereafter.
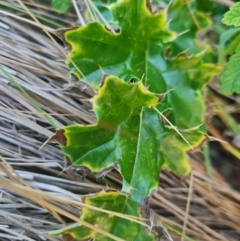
x,y
185,19
144,62
103,9
122,228
123,135
228,35
129,135
232,17
95,49
61,5
139,51
230,76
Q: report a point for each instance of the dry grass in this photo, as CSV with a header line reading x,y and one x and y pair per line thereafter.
x,y
37,65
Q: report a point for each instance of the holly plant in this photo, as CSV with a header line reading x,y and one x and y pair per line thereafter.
x,y
148,70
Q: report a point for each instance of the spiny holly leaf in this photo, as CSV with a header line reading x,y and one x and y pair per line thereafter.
x,y
139,51
122,228
129,135
230,77
232,17
95,49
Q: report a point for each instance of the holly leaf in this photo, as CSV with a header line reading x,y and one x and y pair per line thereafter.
x,y
139,52
136,53
230,76
130,135
232,17
132,132
111,201
96,49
